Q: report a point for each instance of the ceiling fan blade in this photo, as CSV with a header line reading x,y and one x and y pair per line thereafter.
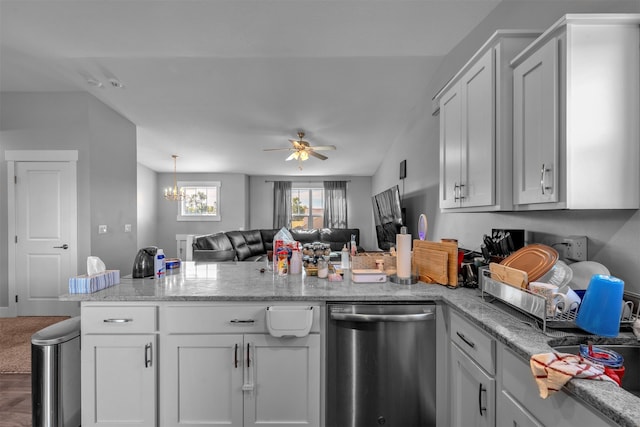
x,y
317,155
323,147
277,149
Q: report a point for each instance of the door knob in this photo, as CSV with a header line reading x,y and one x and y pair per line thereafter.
x,y
65,246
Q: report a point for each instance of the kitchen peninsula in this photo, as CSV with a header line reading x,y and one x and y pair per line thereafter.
x,y
146,318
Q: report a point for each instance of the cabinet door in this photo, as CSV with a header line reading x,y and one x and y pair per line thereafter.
x,y
282,386
473,392
510,413
118,380
202,380
535,127
478,134
450,148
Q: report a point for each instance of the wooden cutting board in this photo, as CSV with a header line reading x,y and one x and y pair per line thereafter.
x,y
509,275
432,265
451,249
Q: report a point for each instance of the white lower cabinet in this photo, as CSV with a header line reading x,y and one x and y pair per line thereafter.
x,y
118,366
491,386
473,386
229,373
512,413
202,377
519,403
119,371
473,392
241,380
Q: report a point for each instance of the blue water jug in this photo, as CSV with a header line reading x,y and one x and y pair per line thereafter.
x,y
601,307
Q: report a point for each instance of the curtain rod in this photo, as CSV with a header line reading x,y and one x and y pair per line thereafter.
x,y
306,182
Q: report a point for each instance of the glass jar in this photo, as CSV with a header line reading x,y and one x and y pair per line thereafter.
x,y
323,268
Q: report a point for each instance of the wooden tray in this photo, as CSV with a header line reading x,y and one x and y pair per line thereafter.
x,y
421,259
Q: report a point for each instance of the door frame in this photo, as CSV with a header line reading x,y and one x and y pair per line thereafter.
x,y
13,156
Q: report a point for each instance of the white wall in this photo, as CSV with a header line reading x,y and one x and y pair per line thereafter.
x,y
112,175
359,208
106,145
614,236
234,209
147,195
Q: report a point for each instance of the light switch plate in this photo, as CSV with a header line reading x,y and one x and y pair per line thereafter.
x,y
127,228
102,229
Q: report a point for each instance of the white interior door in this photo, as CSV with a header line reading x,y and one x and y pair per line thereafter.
x,y
46,237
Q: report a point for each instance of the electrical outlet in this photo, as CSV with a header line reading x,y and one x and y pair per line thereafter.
x,y
102,229
576,248
127,228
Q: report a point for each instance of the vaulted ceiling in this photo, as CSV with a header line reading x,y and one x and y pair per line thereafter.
x,y
218,81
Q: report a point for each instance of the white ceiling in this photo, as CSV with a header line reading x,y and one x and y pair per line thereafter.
x,y
217,81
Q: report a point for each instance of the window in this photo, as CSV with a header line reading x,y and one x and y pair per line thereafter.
x,y
201,201
307,207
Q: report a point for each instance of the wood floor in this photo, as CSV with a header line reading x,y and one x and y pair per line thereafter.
x,y
15,400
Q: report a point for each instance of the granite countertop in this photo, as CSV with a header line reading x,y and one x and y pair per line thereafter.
x,y
244,281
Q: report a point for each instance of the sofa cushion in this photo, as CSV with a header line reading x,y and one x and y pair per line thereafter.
x,y
213,255
305,236
337,237
267,238
239,244
217,241
253,238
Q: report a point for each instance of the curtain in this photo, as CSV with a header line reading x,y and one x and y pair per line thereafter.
x,y
281,204
335,204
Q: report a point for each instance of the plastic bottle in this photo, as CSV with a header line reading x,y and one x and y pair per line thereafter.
x,y
344,257
354,247
295,266
158,264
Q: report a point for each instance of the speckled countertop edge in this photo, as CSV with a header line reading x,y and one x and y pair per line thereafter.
x,y
246,283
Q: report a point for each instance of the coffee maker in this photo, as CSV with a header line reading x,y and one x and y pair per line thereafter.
x,y
143,264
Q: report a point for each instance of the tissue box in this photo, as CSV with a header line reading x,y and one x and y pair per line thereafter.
x,y
84,284
368,276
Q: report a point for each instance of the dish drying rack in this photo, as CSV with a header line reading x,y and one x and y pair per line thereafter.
x,y
535,306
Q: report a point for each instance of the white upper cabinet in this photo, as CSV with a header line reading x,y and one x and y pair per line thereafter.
x,y
476,128
576,115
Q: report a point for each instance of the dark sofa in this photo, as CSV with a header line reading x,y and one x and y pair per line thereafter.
x,y
252,245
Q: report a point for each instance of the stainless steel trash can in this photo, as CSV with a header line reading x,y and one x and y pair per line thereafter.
x,y
55,375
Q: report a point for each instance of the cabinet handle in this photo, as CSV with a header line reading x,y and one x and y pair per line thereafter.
x,y
242,321
457,191
248,384
235,356
117,320
248,357
542,172
466,340
482,408
148,354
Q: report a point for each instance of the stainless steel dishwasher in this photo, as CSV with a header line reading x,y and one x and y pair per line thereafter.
x,y
381,361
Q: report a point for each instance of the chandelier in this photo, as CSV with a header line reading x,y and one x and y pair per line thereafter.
x,y
174,194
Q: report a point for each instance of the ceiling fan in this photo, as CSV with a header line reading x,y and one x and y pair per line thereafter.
x,y
301,150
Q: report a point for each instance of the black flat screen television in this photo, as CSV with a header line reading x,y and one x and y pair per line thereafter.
x,y
387,216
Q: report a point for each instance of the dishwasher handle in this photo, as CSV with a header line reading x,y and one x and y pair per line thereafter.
x,y
357,317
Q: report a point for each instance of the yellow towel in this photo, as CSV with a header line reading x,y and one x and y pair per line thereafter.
x,y
552,370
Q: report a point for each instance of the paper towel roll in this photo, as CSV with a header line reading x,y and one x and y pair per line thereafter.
x,y
403,259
